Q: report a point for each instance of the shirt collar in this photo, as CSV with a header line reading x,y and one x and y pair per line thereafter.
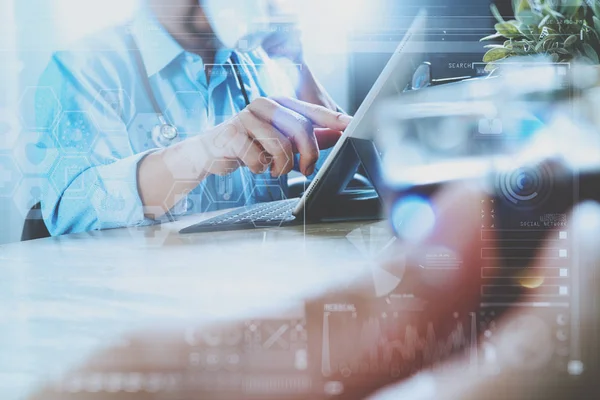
x,y
159,49
156,45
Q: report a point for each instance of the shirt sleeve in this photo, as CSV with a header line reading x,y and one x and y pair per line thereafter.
x,y
93,185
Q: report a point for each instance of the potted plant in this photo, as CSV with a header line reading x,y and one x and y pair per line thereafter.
x,y
562,30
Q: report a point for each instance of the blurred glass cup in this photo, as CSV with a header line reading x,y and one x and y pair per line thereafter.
x,y
515,134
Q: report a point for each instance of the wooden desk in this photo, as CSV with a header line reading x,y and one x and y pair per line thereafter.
x,y
63,297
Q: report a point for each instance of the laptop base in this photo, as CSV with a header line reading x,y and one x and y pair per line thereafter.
x,y
351,205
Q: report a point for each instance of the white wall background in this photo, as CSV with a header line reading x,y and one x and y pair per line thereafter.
x,y
30,30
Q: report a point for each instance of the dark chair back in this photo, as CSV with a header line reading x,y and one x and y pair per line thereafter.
x,y
34,226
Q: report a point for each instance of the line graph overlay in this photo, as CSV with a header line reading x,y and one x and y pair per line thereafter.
x,y
391,343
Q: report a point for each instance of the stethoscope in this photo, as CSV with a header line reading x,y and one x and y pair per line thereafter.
x,y
164,133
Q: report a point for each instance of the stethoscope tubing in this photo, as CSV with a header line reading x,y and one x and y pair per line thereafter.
x,y
158,133
165,126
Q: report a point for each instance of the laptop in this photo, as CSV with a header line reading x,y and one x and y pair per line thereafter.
x,y
326,197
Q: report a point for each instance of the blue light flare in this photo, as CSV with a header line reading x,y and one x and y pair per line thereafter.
x,y
413,218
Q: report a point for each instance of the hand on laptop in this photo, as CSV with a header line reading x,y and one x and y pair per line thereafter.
x,y
267,133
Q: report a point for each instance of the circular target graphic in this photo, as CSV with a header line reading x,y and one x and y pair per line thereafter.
x,y
526,187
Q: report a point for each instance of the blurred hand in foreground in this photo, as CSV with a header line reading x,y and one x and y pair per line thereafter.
x,y
165,351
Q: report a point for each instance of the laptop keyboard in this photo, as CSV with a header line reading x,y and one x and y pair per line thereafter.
x,y
262,215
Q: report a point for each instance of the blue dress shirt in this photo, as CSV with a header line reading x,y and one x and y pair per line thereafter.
x,y
103,121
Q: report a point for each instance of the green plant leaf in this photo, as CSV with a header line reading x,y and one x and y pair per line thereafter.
x,y
589,35
562,51
548,44
496,13
494,46
507,30
573,3
520,48
528,17
591,31
595,5
584,60
490,67
541,26
554,57
571,40
570,7
528,32
544,21
596,23
590,53
519,5
546,8
539,48
495,54
491,37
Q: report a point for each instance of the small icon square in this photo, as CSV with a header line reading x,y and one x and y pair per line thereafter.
x,y
562,253
562,235
563,290
564,272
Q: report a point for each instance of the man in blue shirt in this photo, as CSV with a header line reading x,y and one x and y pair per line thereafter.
x,y
169,115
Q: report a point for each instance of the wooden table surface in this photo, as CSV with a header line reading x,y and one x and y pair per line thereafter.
x,y
64,297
